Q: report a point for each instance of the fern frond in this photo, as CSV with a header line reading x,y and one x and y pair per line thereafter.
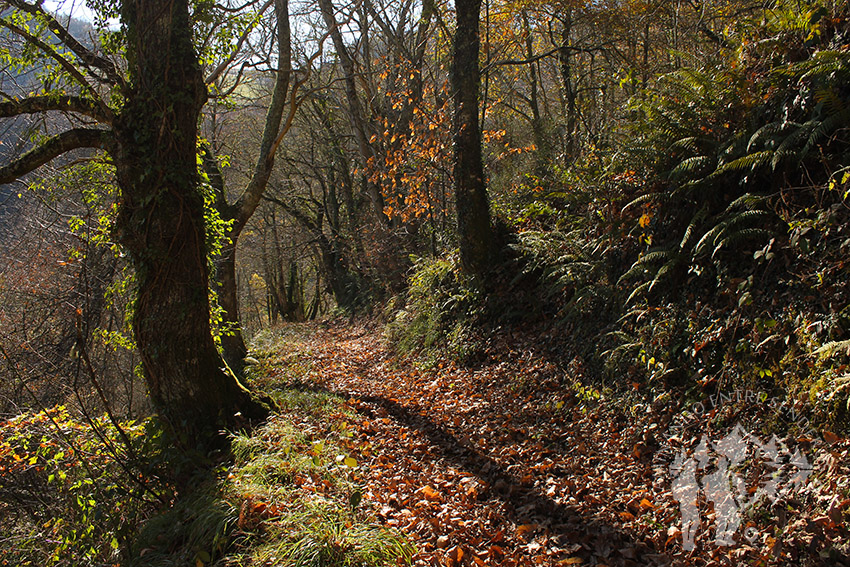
x,y
830,100
641,265
770,129
747,200
709,238
826,127
639,200
733,147
747,217
740,236
662,272
689,232
831,348
654,256
691,165
825,63
689,143
792,140
750,162
638,291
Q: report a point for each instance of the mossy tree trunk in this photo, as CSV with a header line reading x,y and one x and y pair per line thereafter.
x,y
161,224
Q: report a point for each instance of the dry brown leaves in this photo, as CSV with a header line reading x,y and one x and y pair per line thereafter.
x,y
500,465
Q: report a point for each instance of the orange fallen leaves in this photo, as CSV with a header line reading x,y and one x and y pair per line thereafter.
x,y
479,470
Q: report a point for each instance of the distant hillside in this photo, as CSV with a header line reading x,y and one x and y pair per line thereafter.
x,y
14,132
8,210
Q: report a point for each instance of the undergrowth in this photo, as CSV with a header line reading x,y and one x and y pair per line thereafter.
x,y
437,316
701,250
83,492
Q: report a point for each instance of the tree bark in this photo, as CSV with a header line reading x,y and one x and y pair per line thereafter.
x,y
569,91
153,143
473,208
232,342
161,224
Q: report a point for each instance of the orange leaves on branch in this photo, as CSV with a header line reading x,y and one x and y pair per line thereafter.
x,y
412,145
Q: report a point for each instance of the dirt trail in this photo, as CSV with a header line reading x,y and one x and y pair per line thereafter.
x,y
492,466
503,464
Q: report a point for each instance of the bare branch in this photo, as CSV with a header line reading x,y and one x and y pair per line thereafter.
x,y
69,67
539,56
45,103
388,32
54,147
89,58
222,67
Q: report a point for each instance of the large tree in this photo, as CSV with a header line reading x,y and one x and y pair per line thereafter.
x,y
146,119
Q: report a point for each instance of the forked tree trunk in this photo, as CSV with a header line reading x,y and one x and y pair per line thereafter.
x,y
161,224
473,208
232,341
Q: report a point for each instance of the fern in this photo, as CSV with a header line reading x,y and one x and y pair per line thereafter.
x,y
692,227
691,165
768,130
638,292
739,236
827,127
750,162
831,348
649,258
662,272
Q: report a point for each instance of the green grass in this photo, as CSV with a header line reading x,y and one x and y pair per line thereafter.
x,y
290,497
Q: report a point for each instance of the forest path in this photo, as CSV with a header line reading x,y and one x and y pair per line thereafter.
x,y
496,465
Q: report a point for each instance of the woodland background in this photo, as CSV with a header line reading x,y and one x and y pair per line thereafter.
x,y
667,181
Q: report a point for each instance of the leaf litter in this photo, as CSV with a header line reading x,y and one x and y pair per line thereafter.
x,y
503,465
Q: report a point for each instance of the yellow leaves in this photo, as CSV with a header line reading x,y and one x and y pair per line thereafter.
x,y
645,219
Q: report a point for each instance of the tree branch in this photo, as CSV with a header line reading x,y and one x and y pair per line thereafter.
x,y
55,55
388,32
222,67
539,56
45,103
89,58
54,147
297,214
250,198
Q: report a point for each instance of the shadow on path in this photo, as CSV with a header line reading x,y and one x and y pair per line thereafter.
x,y
592,539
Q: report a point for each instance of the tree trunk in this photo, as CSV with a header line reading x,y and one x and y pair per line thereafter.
x,y
537,127
161,224
359,122
570,94
232,342
233,345
473,208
